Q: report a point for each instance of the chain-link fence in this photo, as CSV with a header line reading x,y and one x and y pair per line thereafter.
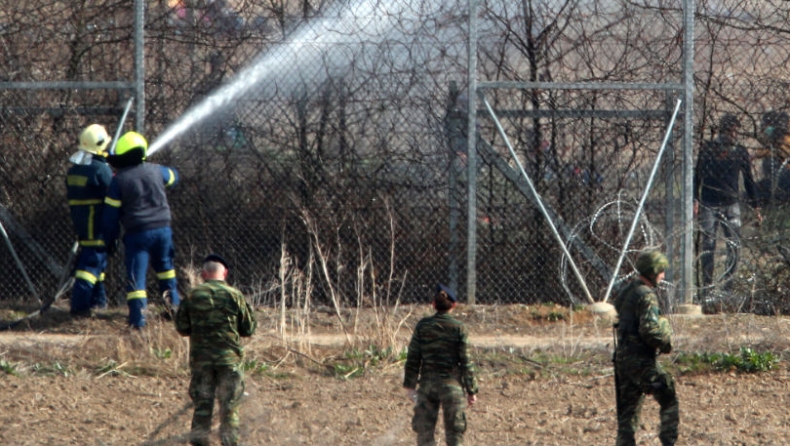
x,y
322,146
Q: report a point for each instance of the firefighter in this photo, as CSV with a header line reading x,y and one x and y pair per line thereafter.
x,y
136,199
86,186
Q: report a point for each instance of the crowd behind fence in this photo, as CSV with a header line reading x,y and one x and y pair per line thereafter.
x,y
340,172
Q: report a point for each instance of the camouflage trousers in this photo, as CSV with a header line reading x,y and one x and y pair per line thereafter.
x,y
637,377
431,395
226,383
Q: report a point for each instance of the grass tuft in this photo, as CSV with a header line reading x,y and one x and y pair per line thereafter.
x,y
746,361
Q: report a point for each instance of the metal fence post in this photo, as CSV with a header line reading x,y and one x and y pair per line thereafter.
x,y
139,65
687,245
471,158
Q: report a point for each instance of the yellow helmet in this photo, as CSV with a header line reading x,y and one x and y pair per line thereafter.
x,y
130,141
129,151
94,139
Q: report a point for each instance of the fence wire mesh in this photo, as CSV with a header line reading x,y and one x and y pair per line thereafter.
x,y
336,165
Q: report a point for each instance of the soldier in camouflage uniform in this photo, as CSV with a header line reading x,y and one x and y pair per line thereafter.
x,y
214,316
641,335
439,360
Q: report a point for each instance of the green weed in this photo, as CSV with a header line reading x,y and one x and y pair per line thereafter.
x,y
348,370
8,367
56,368
112,368
356,361
746,361
162,353
254,366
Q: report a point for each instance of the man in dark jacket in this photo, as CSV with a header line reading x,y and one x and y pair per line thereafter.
x,y
136,199
641,335
720,164
86,186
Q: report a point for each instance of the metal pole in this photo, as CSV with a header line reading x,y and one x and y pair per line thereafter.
x,y
471,158
120,125
139,65
456,142
642,200
19,264
66,85
687,219
539,201
671,208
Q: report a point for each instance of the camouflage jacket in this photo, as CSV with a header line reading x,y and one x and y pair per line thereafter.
x,y
638,328
214,316
439,349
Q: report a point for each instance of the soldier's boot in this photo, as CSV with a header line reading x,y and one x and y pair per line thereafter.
x,y
203,441
426,439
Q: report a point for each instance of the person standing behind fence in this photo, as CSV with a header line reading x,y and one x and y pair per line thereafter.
x,y
642,334
438,358
720,164
136,198
87,181
215,316
775,152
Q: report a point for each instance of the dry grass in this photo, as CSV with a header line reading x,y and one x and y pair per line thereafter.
x,y
505,337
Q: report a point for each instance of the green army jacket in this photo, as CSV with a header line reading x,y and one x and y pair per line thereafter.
x,y
439,349
215,316
638,327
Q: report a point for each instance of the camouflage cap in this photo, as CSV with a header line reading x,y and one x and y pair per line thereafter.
x,y
651,263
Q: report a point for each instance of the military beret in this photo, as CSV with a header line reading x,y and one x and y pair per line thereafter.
x,y
448,290
216,258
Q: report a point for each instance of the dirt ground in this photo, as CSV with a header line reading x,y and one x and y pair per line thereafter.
x,y
545,379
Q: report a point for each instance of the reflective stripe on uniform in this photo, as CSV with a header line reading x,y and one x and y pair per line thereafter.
x,y
92,243
85,275
91,217
164,275
77,180
137,294
112,202
172,178
101,277
85,202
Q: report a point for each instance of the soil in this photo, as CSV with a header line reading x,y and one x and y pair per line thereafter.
x,y
545,378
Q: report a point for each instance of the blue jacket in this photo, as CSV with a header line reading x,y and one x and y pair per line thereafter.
x,y
86,188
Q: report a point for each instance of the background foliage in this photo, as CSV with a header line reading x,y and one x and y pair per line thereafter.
x,y
340,174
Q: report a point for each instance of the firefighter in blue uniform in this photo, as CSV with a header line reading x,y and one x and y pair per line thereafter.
x,y
87,181
136,199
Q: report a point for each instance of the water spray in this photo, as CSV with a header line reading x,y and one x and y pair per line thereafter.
x,y
318,43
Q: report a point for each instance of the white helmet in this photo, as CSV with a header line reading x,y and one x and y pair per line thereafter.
x,y
94,139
